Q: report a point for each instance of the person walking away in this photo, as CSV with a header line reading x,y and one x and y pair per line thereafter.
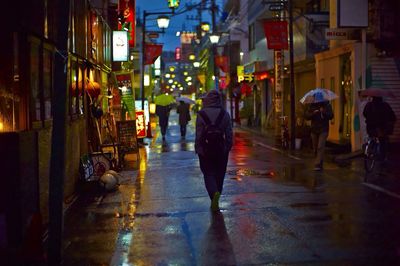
x,y
213,142
380,120
183,110
319,113
163,116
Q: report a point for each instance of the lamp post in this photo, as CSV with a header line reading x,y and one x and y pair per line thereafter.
x,y
214,39
163,23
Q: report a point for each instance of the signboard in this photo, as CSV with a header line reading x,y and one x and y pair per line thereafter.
x,y
242,76
352,13
178,54
336,34
153,35
127,19
138,104
124,81
173,3
120,46
187,37
140,124
279,62
276,33
126,133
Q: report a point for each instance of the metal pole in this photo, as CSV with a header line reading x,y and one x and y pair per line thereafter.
x,y
292,89
142,63
58,141
214,50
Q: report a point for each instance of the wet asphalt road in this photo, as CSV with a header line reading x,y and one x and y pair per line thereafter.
x,y
275,210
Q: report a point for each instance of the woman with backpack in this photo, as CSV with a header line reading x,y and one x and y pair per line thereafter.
x,y
213,142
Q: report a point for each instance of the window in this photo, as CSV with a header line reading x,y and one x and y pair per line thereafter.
x,y
77,87
40,81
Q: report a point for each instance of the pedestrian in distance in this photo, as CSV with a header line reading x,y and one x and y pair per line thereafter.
x,y
162,111
213,142
319,112
183,110
379,120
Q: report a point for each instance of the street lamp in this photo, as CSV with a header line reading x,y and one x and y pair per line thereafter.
x,y
214,38
162,23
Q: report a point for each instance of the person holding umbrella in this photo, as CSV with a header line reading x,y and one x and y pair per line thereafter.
x,y
319,111
163,107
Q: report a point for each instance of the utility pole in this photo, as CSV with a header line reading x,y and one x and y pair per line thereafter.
x,y
57,160
292,89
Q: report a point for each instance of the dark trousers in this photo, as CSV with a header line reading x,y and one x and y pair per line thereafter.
x,y
214,170
183,130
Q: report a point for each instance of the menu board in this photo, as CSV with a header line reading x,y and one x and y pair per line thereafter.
x,y
126,133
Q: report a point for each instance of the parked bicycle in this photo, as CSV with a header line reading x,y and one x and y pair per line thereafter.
x,y
284,132
373,155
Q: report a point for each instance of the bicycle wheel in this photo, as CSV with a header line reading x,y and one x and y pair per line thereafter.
x,y
370,156
369,163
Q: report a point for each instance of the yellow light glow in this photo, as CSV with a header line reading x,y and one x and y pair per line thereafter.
x,y
170,81
175,82
152,108
189,83
1,126
171,68
146,80
173,76
168,75
192,57
185,73
188,78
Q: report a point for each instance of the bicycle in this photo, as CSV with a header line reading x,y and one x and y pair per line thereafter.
x,y
284,132
373,154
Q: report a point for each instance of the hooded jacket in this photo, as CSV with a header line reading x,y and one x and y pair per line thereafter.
x,y
212,104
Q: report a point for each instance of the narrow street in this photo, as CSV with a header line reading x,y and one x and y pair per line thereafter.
x,y
275,210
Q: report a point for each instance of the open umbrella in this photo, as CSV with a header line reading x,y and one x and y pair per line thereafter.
x,y
318,95
164,100
185,99
375,92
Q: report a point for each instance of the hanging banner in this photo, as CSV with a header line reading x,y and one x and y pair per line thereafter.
x,y
125,86
152,52
222,62
126,19
276,33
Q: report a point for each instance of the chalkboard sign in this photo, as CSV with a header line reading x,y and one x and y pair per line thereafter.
x,y
126,133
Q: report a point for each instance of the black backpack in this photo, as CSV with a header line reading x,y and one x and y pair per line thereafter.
x,y
213,139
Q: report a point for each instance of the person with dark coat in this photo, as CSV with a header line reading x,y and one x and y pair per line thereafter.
x,y
163,115
379,119
319,113
213,167
183,110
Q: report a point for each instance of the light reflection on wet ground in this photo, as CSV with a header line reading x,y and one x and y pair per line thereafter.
x,y
275,209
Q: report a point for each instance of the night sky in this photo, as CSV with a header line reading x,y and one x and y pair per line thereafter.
x,y
177,22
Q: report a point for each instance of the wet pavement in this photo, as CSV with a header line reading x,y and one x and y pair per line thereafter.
x,y
275,210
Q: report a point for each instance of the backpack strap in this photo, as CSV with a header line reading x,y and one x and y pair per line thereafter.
x,y
220,116
207,119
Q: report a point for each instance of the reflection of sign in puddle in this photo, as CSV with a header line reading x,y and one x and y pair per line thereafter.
x,y
238,173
